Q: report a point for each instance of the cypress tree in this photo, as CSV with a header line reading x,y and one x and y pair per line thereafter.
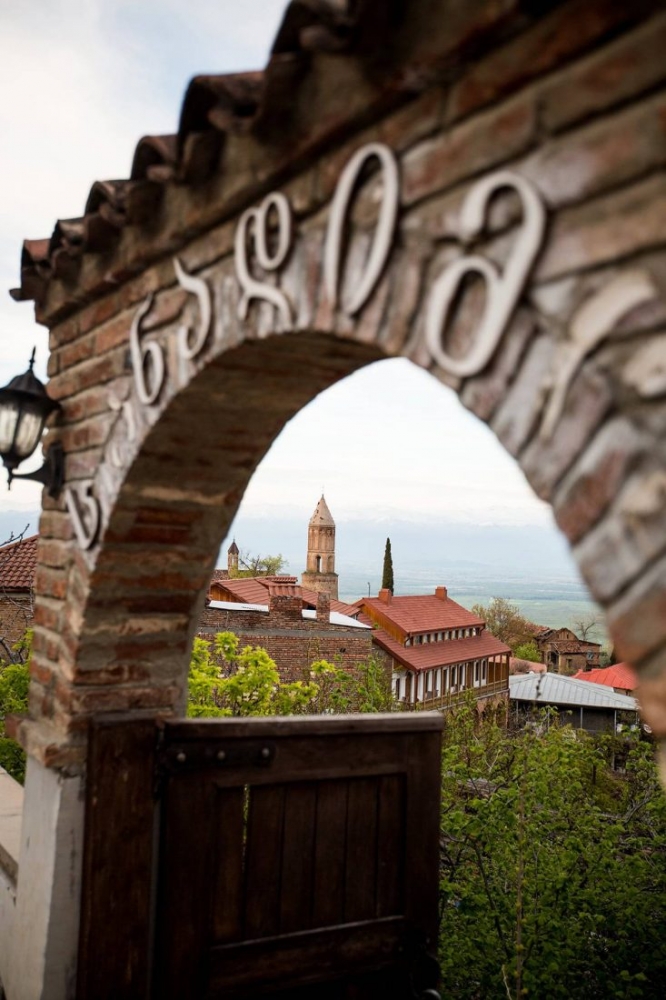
x,y
387,572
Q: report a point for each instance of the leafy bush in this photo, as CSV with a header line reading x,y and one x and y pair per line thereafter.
x,y
553,867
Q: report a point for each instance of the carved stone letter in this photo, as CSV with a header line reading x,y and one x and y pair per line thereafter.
x,y
147,360
255,221
189,346
502,290
381,244
85,513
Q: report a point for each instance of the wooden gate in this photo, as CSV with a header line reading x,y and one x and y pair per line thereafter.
x,y
293,857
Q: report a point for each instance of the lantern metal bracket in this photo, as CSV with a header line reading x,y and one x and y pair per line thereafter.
x,y
52,473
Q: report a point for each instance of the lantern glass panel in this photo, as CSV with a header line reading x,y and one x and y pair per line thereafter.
x,y
9,413
31,424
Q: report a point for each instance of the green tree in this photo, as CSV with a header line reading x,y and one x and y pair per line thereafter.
x,y
505,622
14,684
387,571
225,680
553,868
528,651
258,565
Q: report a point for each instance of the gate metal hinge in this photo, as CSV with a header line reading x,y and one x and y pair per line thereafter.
x,y
172,759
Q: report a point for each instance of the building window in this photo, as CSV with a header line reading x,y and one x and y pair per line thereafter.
x,y
484,672
454,677
397,689
476,673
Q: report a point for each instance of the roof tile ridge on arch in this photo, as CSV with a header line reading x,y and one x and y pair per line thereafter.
x,y
240,134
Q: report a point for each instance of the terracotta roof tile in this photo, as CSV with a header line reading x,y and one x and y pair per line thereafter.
x,y
620,675
422,613
440,654
254,590
18,561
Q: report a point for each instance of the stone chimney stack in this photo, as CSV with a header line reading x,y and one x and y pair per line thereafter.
x,y
442,593
385,595
323,608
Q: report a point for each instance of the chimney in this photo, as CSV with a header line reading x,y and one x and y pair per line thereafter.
x,y
442,593
385,595
285,598
323,608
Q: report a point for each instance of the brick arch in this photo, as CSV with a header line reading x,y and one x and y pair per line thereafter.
x,y
572,382
146,588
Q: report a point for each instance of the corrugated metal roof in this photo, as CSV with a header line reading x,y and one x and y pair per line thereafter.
x,y
556,689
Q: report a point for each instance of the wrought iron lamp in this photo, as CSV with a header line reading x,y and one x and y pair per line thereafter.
x,y
24,408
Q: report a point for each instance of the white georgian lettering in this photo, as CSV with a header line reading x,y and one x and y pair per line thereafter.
x,y
117,458
502,289
147,359
253,226
189,344
381,244
84,510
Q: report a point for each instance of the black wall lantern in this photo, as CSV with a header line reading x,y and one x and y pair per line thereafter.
x,y
24,407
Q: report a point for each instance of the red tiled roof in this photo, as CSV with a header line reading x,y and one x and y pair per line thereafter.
x,y
18,561
422,613
254,590
439,654
620,675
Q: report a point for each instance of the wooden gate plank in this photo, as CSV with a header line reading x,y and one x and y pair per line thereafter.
x,y
264,861
328,881
361,860
228,861
184,903
257,967
114,944
390,845
298,857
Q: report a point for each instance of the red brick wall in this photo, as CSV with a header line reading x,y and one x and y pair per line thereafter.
x,y
293,642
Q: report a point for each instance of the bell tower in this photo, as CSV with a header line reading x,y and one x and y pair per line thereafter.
x,y
320,574
232,559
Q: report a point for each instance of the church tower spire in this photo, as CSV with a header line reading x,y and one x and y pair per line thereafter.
x,y
232,559
320,574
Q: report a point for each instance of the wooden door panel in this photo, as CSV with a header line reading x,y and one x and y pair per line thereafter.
x,y
286,861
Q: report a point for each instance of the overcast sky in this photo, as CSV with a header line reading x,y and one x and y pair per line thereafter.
x,y
81,81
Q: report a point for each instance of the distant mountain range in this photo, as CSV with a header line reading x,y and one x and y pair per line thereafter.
x,y
531,565
528,558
